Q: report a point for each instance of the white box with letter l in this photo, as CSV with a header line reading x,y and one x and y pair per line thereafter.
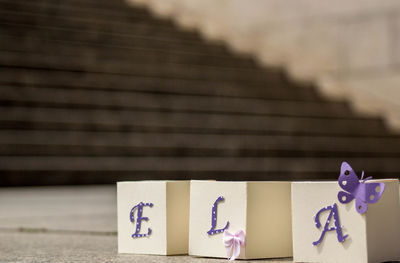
x,y
244,220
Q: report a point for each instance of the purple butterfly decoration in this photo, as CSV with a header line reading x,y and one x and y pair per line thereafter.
x,y
364,193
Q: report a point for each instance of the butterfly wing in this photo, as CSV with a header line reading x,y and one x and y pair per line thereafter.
x,y
344,197
348,179
370,192
361,206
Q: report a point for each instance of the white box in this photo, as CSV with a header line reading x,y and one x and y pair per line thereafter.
x,y
166,205
261,209
372,237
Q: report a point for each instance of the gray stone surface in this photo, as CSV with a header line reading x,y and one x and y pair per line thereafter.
x,y
67,224
51,247
88,208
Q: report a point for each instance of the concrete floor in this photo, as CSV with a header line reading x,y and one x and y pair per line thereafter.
x,y
67,224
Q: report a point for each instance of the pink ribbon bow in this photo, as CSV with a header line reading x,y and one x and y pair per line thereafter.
x,y
233,243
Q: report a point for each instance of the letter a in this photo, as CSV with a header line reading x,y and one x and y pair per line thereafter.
x,y
337,227
213,231
139,219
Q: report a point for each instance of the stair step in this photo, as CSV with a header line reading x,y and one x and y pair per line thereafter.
x,y
131,68
116,118
114,143
96,81
141,28
104,53
46,177
122,100
126,128
115,151
113,10
123,40
179,152
374,166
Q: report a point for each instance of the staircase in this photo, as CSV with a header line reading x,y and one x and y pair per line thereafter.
x,y
95,91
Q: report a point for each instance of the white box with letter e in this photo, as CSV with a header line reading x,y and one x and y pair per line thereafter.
x,y
153,217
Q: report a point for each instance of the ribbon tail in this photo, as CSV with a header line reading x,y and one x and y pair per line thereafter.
x,y
229,251
235,250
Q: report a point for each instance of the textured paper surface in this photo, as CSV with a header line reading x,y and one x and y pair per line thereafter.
x,y
383,225
309,197
269,220
178,201
130,194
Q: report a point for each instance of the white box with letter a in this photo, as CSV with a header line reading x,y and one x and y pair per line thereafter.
x,y
153,217
326,229
244,220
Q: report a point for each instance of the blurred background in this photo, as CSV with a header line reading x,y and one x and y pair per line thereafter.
x,y
98,91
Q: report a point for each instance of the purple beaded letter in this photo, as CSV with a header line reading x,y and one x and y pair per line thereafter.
x,y
214,231
139,219
337,227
